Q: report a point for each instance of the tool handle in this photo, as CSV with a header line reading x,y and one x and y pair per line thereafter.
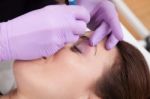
x,y
72,2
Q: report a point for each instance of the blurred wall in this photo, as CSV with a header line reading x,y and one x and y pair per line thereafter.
x,y
141,9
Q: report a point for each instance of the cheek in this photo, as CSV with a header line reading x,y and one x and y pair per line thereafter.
x,y
61,76
27,74
71,74
64,73
32,76
27,68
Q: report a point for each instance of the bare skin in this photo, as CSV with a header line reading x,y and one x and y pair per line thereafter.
x,y
69,74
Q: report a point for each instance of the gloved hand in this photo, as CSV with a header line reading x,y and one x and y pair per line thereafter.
x,y
103,11
42,32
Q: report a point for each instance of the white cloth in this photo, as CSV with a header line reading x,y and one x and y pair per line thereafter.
x,y
7,81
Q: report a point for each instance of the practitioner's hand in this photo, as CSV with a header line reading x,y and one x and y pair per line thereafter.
x,y
42,32
103,11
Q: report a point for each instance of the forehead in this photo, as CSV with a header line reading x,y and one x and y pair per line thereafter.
x,y
107,57
103,56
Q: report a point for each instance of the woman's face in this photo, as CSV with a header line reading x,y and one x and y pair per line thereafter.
x,y
69,74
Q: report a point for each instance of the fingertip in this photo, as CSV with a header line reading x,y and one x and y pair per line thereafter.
x,y
79,27
109,46
93,42
101,32
71,38
111,42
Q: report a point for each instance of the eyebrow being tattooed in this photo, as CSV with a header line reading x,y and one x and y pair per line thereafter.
x,y
87,38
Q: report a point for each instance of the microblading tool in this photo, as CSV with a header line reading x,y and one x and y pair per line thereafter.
x,y
72,2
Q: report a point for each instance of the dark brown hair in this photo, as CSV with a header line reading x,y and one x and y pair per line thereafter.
x,y
128,78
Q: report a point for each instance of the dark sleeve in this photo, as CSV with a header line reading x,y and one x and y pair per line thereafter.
x,y
37,4
66,1
10,9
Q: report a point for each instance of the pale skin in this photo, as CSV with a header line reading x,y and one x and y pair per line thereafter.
x,y
68,74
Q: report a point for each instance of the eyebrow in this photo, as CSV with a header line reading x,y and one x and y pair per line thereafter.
x,y
84,37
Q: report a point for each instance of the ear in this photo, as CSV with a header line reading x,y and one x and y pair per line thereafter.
x,y
89,95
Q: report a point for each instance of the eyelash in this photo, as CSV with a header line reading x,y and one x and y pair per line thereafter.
x,y
75,49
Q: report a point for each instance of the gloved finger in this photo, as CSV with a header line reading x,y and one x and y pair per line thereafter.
x,y
80,13
111,42
79,27
51,50
101,32
71,38
116,28
95,22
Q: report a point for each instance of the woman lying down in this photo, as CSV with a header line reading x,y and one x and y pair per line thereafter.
x,y
82,72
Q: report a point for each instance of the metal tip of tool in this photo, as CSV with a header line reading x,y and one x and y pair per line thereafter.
x,y
95,50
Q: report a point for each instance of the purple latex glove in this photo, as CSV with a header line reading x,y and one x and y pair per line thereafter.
x,y
103,11
42,32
